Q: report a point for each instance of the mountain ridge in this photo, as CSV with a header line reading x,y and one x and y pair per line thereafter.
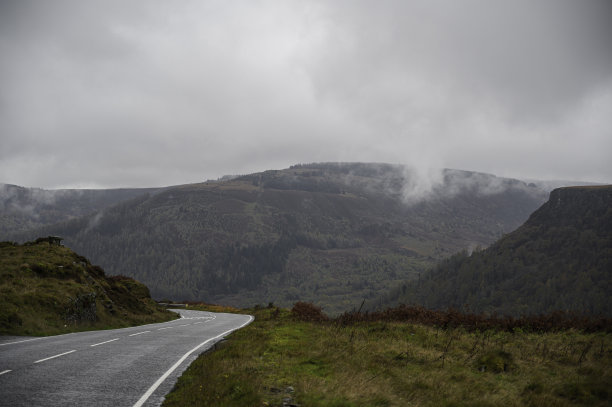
x,y
559,259
22,208
331,233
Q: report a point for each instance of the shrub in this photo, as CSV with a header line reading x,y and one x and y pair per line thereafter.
x,y
552,322
306,311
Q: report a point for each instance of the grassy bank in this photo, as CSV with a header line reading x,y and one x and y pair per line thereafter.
x,y
47,289
278,359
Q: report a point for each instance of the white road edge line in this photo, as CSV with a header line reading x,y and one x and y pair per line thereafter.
x,y
5,371
56,356
159,381
139,333
102,343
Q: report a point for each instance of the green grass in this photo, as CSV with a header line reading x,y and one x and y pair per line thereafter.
x,y
47,289
396,364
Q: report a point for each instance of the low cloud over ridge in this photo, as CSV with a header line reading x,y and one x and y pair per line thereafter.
x,y
148,93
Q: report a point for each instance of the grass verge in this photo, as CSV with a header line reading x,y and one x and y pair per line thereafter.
x,y
280,361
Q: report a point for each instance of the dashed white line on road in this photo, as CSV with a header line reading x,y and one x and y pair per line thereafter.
x,y
139,333
102,343
185,325
168,327
201,322
55,356
5,371
25,340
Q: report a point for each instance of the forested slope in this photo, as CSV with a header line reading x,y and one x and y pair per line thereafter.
x,y
560,259
334,234
23,208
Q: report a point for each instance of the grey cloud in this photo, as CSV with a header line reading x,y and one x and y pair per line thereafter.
x,y
531,58
147,93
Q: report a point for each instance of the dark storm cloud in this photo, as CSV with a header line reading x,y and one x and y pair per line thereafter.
x,y
151,92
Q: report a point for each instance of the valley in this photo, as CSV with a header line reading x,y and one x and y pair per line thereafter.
x,y
326,252
332,233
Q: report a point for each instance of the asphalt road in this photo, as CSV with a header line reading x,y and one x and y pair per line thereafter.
x,y
134,366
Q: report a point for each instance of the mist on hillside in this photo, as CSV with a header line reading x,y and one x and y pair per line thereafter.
x,y
414,184
25,208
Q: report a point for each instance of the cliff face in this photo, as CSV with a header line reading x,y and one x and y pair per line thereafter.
x,y
587,207
560,259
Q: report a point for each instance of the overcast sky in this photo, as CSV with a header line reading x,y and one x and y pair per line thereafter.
x,y
151,93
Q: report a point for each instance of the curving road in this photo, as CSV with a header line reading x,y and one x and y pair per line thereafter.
x,y
121,367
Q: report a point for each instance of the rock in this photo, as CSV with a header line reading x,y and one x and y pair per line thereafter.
x,y
288,402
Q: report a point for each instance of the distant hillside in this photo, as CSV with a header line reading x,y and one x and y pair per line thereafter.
x,y
49,289
22,208
329,233
560,259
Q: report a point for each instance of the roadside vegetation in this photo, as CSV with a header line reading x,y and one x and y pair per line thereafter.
x,y
47,289
301,357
